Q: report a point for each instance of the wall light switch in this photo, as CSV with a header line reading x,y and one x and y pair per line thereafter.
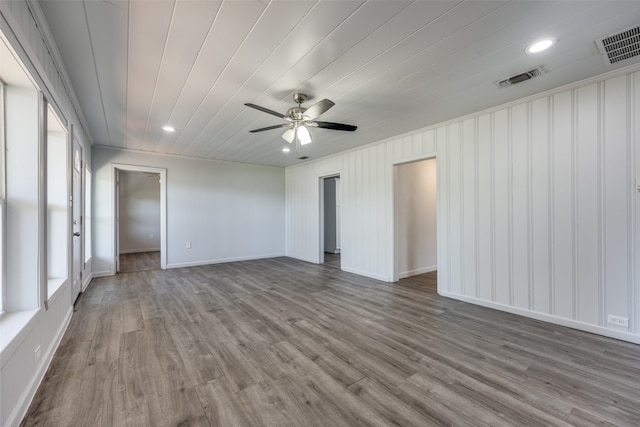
x,y
188,245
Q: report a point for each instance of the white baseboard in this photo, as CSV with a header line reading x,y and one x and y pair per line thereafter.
x,y
21,408
366,274
86,281
562,321
136,251
305,259
410,273
220,261
102,274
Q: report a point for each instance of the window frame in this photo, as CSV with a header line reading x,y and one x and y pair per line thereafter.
x,y
3,204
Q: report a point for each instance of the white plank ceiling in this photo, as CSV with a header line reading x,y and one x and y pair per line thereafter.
x,y
390,66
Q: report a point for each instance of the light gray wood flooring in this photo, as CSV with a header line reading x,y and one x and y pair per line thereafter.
x,y
280,342
139,261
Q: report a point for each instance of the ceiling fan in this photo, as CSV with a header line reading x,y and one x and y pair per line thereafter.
x,y
300,119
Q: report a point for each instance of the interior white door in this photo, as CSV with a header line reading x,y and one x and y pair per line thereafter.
x,y
117,215
76,229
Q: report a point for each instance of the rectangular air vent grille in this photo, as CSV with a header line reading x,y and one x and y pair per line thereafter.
x,y
620,46
522,77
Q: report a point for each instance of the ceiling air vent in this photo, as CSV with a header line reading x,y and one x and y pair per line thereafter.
x,y
522,77
620,46
303,157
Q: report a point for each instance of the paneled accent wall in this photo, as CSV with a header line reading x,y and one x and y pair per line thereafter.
x,y
537,205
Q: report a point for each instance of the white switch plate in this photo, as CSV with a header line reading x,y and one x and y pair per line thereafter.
x,y
618,321
188,245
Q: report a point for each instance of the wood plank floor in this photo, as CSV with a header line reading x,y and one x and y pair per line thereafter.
x,y
139,261
280,342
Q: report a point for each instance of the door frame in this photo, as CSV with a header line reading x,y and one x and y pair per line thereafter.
x,y
394,182
321,179
115,168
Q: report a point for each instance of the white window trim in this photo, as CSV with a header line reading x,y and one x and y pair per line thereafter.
x,y
3,207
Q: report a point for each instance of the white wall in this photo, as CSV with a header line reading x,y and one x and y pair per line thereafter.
x,y
29,326
537,205
415,217
228,211
139,212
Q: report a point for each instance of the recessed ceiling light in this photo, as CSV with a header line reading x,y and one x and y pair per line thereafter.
x,y
168,128
540,45
286,150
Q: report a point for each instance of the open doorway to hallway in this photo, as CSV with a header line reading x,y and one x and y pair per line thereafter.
x,y
139,221
140,217
415,219
330,242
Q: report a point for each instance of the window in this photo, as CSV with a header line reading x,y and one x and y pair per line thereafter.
x,y
57,203
87,215
21,197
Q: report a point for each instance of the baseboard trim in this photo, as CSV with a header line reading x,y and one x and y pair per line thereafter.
x,y
367,274
561,321
137,251
416,272
101,274
15,418
305,259
220,261
86,282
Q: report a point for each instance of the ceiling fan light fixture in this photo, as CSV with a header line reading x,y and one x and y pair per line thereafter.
x,y
289,135
303,134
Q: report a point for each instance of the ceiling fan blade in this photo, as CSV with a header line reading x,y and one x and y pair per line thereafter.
x,y
271,127
265,110
331,125
318,108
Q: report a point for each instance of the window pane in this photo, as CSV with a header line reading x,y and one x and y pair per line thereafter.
x,y
87,215
57,202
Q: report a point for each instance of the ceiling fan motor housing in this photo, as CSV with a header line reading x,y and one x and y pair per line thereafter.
x,y
296,113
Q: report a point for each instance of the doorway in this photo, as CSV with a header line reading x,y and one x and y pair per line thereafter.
x,y
330,242
415,218
139,218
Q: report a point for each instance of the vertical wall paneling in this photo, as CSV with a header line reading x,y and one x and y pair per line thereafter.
x,y
501,203
520,206
631,227
469,195
509,196
615,197
587,206
562,173
444,242
602,294
455,208
540,205
485,220
537,205
636,196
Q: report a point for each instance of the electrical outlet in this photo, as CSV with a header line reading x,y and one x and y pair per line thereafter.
x,y
188,245
618,321
37,354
